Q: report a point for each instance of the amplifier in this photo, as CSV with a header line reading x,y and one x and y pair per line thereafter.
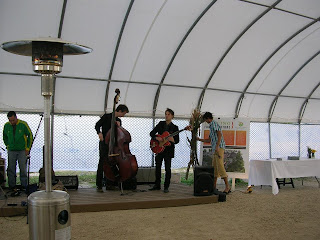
x,y
146,175
69,182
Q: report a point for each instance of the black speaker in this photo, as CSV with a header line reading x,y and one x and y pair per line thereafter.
x,y
203,181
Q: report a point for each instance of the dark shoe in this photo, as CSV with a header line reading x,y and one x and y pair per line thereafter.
x,y
99,190
227,192
154,188
166,190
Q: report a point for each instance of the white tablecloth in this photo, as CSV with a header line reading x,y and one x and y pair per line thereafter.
x,y
265,172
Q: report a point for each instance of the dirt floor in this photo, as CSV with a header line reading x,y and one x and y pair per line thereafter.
x,y
292,214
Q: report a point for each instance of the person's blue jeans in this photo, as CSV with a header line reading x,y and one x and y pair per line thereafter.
x,y
13,157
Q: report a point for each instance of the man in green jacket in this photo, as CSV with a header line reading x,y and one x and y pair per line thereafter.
x,y
17,136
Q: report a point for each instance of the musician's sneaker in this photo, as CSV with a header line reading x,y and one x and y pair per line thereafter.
x,y
166,190
99,190
155,188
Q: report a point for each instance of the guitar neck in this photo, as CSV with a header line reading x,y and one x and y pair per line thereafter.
x,y
175,133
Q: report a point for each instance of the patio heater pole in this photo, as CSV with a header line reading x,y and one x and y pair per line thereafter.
x,y
48,211
46,86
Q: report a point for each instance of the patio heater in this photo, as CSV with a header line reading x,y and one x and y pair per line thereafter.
x,y
49,210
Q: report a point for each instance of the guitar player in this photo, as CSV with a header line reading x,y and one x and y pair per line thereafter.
x,y
168,152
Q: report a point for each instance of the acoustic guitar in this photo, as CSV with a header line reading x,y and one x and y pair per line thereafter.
x,y
158,147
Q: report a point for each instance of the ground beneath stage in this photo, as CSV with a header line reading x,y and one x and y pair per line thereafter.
x,y
292,214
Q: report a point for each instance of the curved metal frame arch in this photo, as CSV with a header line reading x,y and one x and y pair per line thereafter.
x,y
305,103
230,47
156,98
275,100
115,54
239,103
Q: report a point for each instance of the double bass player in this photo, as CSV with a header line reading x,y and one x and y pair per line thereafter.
x,y
105,124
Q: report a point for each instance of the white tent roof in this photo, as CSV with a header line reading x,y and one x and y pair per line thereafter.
x,y
257,59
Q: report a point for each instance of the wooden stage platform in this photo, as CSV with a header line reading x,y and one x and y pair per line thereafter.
x,y
89,200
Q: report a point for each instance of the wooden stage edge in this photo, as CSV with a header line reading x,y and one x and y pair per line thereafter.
x,y
89,200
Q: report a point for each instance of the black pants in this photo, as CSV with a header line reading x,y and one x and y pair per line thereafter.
x,y
167,165
103,152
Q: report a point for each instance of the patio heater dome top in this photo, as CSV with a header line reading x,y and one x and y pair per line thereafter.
x,y
24,47
47,53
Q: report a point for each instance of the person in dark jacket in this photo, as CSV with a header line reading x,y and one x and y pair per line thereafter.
x,y
102,127
18,138
168,152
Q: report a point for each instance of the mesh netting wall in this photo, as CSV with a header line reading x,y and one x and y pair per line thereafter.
x,y
284,140
310,137
76,143
259,141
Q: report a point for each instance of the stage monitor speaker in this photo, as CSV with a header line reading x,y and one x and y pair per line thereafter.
x,y
146,175
69,182
203,181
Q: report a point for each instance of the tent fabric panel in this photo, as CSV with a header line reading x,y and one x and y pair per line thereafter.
x,y
312,113
21,20
209,40
173,22
220,103
254,47
308,8
142,14
20,93
306,80
281,67
287,109
316,93
95,24
181,100
152,34
256,107
265,2
29,19
83,96
138,97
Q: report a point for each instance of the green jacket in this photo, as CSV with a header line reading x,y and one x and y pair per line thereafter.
x,y
23,136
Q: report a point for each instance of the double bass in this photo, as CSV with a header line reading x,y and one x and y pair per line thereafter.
x,y
120,165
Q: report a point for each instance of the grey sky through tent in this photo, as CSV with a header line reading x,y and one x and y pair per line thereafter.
x,y
158,51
